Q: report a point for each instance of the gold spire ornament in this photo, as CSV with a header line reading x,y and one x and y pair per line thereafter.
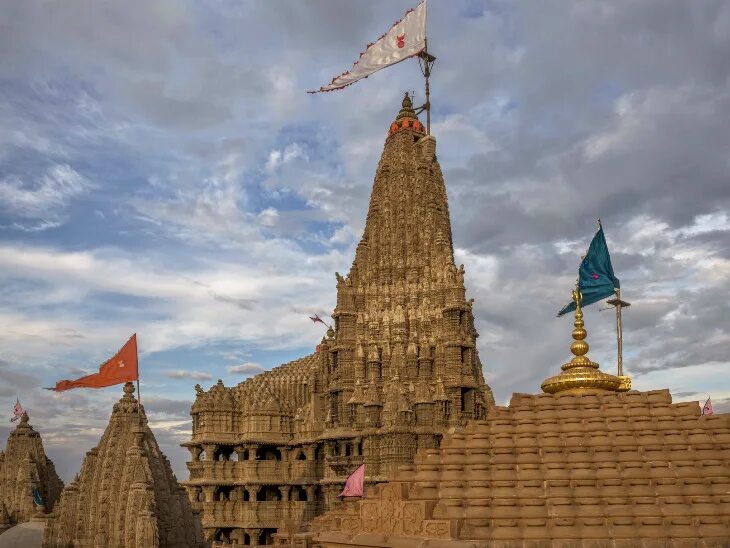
x,y
580,373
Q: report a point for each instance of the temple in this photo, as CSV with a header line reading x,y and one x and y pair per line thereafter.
x,y
399,368
125,495
587,463
24,470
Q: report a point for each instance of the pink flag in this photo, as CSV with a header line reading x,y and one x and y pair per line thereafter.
x,y
17,411
707,409
355,484
317,319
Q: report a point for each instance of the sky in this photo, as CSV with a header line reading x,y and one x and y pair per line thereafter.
x,y
162,171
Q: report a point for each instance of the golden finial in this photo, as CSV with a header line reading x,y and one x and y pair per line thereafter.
x,y
580,373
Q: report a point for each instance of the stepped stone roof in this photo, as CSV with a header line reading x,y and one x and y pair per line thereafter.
x,y
564,470
24,467
126,494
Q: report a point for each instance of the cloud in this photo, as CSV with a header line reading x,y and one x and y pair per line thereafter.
x,y
278,158
247,368
185,374
45,198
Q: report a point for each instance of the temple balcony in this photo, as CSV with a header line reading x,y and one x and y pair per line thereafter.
x,y
254,471
255,514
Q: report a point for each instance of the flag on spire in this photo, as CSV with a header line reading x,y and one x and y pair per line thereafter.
x,y
120,368
37,498
596,280
707,408
17,411
317,319
405,39
355,483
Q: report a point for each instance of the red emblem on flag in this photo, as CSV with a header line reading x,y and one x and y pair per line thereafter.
x,y
594,276
401,40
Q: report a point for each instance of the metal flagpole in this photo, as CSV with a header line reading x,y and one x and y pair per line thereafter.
x,y
426,61
618,304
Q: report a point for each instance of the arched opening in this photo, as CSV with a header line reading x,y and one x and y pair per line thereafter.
x,y
202,455
200,495
301,456
298,493
223,492
246,495
268,493
348,449
268,452
266,536
223,535
223,452
359,448
319,498
246,539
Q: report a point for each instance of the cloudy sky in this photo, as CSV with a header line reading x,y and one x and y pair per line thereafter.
x,y
163,171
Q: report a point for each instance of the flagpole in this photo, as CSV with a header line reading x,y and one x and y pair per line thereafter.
x,y
619,304
426,61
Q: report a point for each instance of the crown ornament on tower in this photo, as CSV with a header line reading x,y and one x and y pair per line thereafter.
x,y
580,373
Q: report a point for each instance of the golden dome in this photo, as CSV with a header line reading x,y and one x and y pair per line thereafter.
x,y
580,373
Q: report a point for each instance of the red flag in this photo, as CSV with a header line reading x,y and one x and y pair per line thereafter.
x,y
355,484
120,368
707,409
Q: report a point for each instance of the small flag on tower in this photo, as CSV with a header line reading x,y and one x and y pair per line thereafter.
x,y
17,411
405,39
355,483
120,368
707,408
317,319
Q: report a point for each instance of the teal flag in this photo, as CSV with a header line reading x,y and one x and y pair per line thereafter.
x,y
595,274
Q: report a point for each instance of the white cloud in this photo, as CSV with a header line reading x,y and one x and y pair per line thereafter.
x,y
186,374
269,217
45,197
278,158
247,368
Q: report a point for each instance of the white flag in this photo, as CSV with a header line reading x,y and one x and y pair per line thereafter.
x,y
407,38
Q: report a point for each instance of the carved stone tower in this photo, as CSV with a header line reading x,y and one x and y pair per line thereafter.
x,y
399,368
126,495
24,468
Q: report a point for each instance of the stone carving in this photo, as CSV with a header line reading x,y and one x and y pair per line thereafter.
x,y
125,495
399,367
24,467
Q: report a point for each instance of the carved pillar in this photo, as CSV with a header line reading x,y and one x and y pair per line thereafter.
x,y
195,451
210,449
209,491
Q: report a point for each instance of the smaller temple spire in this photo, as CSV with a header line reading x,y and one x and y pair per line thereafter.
x,y
580,373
